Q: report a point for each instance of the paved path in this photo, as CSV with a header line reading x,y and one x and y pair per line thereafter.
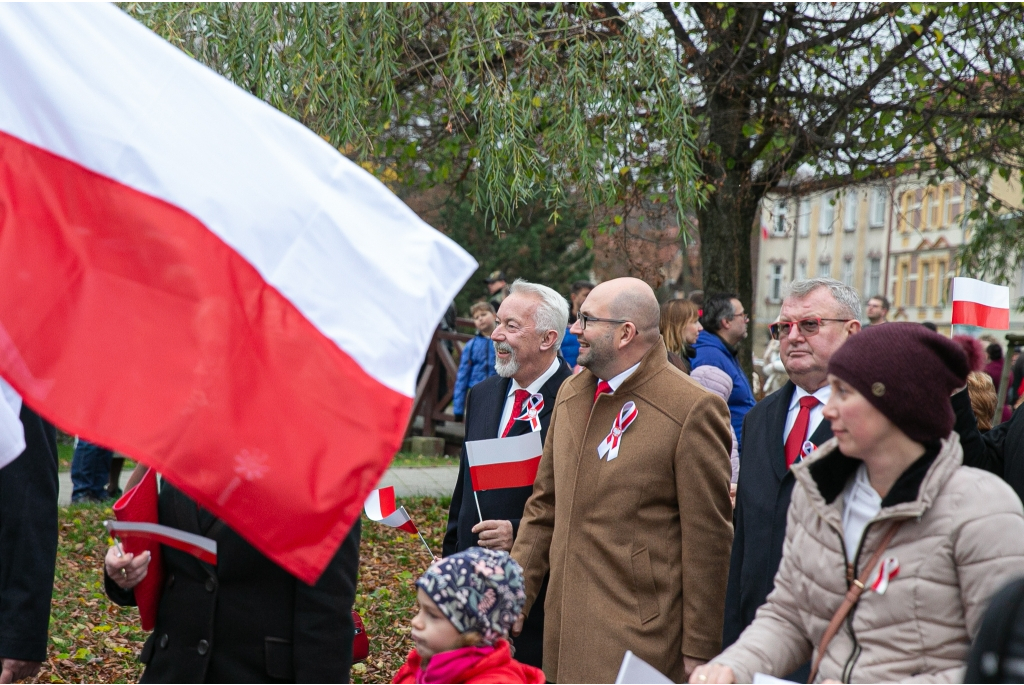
x,y
431,481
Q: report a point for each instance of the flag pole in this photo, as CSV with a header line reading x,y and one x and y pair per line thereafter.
x,y
478,512
426,545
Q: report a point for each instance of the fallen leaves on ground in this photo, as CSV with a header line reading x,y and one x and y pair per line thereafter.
x,y
92,640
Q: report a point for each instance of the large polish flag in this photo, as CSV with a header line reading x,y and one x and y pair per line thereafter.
x,y
977,303
194,279
504,462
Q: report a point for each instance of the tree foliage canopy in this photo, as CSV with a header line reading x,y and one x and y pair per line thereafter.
x,y
612,103
515,103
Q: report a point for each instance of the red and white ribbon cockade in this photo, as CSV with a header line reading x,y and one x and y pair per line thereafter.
x,y
380,507
610,445
531,411
887,570
200,547
180,261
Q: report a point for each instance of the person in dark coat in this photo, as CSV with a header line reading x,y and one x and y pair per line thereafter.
x,y
530,324
245,620
828,313
28,549
999,451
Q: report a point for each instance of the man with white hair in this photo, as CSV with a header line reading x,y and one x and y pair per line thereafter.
x,y
531,322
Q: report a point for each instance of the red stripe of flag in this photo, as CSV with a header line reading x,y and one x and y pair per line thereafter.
x,y
110,288
509,474
973,314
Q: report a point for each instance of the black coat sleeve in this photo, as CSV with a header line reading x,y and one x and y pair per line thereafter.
x,y
450,544
28,542
734,624
117,594
324,630
980,451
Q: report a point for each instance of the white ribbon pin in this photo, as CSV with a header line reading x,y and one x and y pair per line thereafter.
x,y
610,445
531,411
887,570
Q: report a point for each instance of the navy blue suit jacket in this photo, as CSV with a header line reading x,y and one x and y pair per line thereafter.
x,y
484,407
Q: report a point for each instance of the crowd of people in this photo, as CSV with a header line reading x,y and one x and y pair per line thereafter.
x,y
852,526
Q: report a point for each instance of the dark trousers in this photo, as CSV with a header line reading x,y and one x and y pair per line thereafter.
x,y
90,471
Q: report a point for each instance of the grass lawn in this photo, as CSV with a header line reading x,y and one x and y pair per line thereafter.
x,y
93,640
405,459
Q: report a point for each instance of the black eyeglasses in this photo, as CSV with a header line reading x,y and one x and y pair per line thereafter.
x,y
584,318
807,327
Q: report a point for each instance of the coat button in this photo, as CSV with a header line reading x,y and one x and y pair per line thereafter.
x,y
163,641
203,648
211,585
170,580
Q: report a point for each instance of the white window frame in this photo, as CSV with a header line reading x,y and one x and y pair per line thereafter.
x,y
876,214
828,215
803,217
851,203
847,274
779,220
874,276
776,283
824,268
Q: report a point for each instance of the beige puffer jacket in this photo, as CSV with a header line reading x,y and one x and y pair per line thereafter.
x,y
963,539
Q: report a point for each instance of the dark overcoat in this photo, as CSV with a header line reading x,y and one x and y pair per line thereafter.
x,y
762,501
28,542
483,414
245,620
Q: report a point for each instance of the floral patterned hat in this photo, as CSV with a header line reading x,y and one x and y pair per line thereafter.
x,y
478,590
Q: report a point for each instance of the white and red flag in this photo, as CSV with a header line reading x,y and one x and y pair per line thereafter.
x,y
203,548
977,303
196,280
380,507
504,462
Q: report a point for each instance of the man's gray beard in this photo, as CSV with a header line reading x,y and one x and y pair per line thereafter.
x,y
506,369
597,360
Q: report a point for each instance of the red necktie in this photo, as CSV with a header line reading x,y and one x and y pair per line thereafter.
x,y
602,387
798,434
517,409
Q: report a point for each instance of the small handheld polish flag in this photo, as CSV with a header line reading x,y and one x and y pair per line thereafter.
x,y
380,507
200,547
977,303
504,462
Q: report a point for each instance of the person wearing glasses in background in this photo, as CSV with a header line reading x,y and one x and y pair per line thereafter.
x,y
817,317
725,325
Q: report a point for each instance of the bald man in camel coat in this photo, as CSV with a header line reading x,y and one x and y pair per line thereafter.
x,y
637,541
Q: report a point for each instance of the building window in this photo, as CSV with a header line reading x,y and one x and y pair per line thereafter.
x,y
825,269
850,203
828,214
955,205
803,219
874,276
941,278
903,285
876,214
779,227
801,269
927,276
915,210
848,271
776,288
944,206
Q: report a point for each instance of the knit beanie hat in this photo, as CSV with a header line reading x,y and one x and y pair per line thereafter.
x,y
908,373
478,590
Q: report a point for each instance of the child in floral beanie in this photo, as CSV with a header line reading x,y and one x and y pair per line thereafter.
x,y
468,603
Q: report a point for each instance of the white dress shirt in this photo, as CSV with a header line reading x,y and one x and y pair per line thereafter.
x,y
817,413
621,378
860,504
532,388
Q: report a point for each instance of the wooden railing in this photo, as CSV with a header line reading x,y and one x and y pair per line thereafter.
x,y
430,401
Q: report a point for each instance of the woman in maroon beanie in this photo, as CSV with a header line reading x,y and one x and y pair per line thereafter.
x,y
893,547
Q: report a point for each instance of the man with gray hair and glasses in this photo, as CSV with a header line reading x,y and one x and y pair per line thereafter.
x,y
817,316
529,328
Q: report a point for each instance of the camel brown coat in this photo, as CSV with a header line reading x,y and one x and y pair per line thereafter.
x,y
637,547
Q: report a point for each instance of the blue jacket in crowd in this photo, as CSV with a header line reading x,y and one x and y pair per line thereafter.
x,y
711,351
570,348
477,363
